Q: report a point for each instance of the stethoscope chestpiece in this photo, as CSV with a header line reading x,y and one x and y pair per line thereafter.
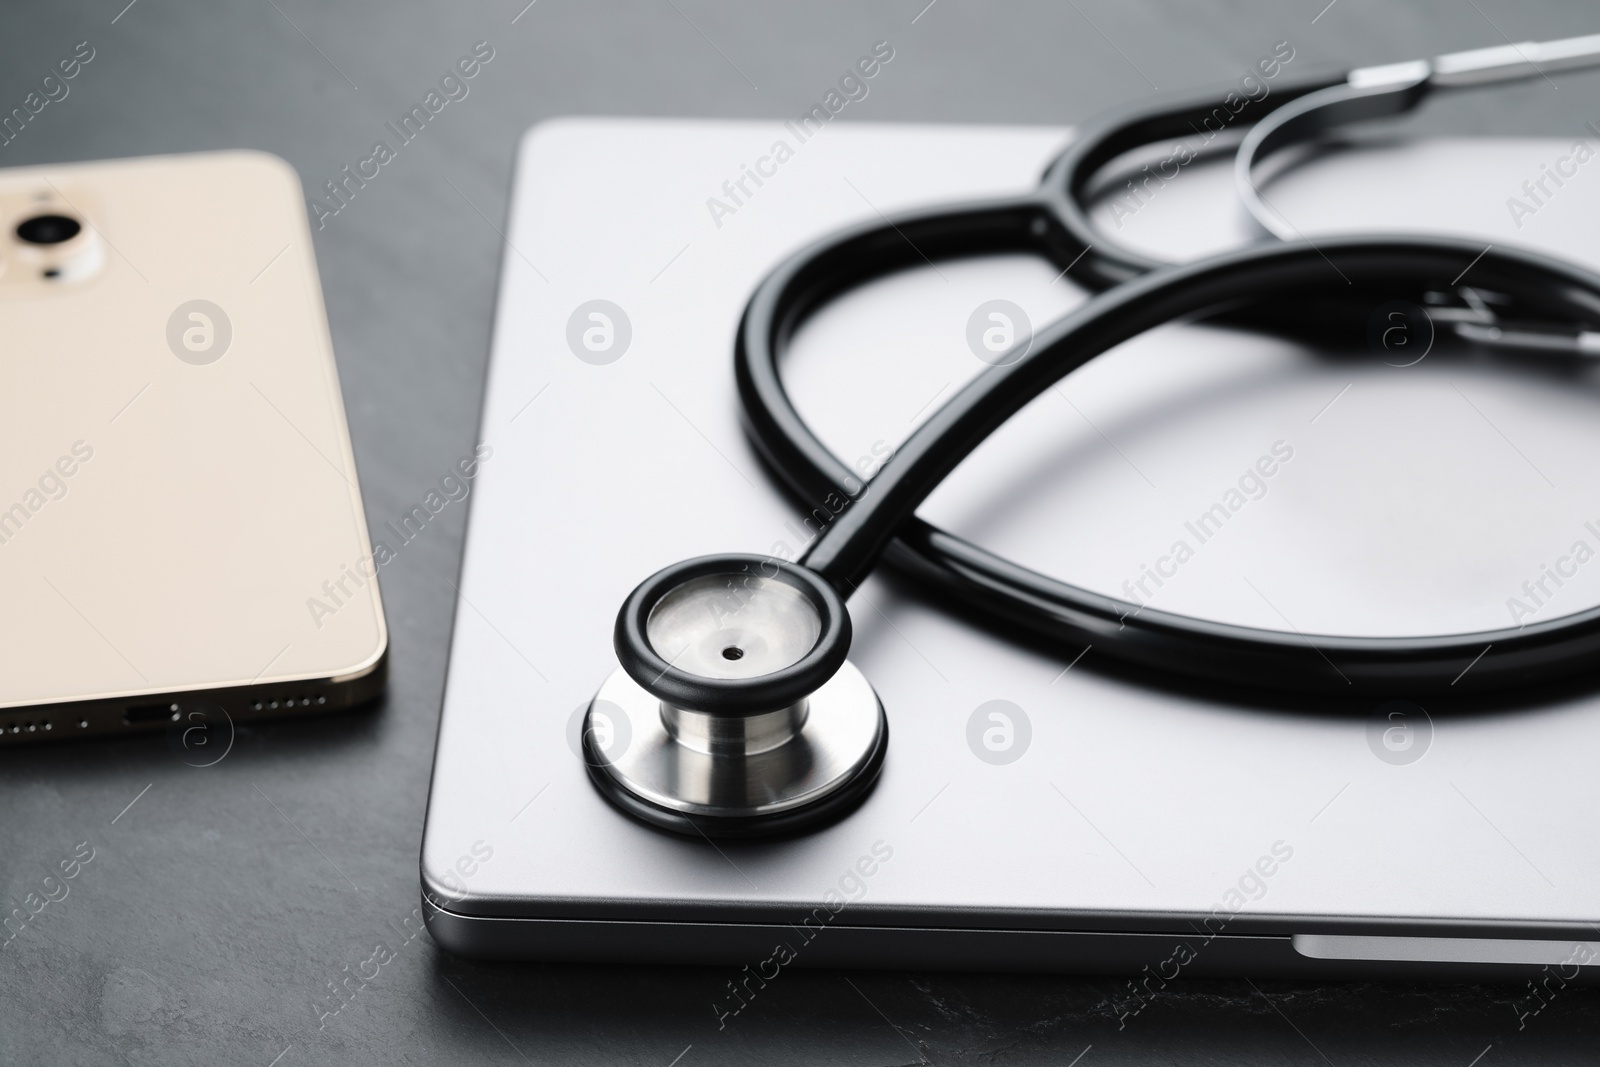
x,y
735,712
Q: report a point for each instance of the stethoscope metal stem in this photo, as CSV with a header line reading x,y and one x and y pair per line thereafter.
x,y
734,735
1383,92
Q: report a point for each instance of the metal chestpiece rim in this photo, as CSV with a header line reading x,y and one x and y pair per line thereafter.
x,y
732,696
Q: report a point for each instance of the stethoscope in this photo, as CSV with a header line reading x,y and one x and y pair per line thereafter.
x,y
743,715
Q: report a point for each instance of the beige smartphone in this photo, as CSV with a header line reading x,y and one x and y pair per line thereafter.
x,y
181,532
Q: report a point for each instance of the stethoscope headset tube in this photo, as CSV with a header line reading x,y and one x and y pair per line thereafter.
x,y
1097,261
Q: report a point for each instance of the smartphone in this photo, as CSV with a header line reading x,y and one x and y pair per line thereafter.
x,y
181,529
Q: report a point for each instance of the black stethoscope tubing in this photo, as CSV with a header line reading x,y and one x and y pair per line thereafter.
x,y
879,519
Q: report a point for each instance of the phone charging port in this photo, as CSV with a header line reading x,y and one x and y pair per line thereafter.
x,y
140,713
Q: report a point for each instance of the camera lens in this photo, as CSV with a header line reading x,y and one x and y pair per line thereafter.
x,y
48,229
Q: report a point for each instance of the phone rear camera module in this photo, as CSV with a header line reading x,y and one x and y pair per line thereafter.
x,y
48,229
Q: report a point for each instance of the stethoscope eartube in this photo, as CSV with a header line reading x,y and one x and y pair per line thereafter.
x,y
1097,261
735,711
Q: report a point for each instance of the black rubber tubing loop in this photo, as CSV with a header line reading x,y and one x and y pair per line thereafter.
x,y
880,518
732,696
1330,109
1097,260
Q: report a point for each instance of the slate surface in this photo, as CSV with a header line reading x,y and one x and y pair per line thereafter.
x,y
219,907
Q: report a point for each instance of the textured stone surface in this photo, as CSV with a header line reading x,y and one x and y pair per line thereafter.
x,y
218,908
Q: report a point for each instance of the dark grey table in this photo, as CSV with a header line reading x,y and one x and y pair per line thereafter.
x,y
220,906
